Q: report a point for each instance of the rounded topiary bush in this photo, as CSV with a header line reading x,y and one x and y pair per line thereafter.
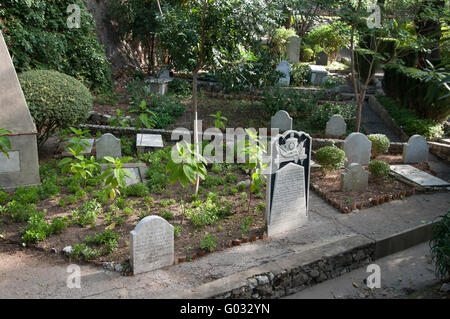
x,y
55,101
330,158
379,169
380,143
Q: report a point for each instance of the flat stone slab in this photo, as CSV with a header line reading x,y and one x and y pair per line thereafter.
x,y
149,140
417,176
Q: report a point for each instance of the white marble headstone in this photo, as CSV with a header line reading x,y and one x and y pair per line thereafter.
x,y
282,121
357,148
416,150
108,145
152,244
336,126
285,69
354,178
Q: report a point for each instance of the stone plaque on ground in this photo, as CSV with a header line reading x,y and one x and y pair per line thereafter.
x,y
354,178
22,166
282,121
336,126
416,150
108,145
357,148
148,142
417,176
293,49
287,198
318,74
285,69
137,170
152,245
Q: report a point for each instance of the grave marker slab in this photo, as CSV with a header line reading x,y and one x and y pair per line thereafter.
x,y
108,145
357,148
318,74
285,69
148,142
22,167
152,245
354,178
293,49
322,59
336,126
287,189
416,150
282,121
417,176
137,170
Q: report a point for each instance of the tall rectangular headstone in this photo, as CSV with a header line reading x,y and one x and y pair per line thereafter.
x,y
285,69
287,198
22,166
293,49
108,145
152,245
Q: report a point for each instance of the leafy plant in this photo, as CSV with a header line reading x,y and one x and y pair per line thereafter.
x,y
440,246
379,169
166,214
380,143
106,238
115,176
219,120
246,225
136,190
83,252
83,167
37,229
177,229
208,242
186,165
5,144
330,158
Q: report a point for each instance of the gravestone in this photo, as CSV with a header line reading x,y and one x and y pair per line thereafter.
x,y
322,59
418,177
108,145
354,178
293,49
336,126
281,121
148,142
357,148
285,69
318,74
152,244
21,168
416,150
287,198
137,171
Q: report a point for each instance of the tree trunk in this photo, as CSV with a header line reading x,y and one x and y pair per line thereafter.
x,y
195,127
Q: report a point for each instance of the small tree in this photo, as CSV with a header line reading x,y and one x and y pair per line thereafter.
x,y
202,34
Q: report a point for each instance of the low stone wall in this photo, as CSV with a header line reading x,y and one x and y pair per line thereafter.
x,y
395,148
386,118
441,150
288,281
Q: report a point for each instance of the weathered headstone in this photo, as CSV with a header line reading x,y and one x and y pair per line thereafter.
x,y
354,178
281,121
288,182
322,59
416,150
148,142
22,166
108,145
357,148
137,171
293,49
318,74
152,244
285,69
336,126
417,176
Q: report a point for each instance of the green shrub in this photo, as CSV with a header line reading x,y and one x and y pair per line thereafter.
x,y
180,88
208,242
37,229
177,229
83,252
48,189
440,246
296,103
59,224
166,214
301,74
380,143
410,122
364,58
306,54
207,212
136,190
55,100
3,197
88,213
20,212
27,195
330,158
379,169
106,238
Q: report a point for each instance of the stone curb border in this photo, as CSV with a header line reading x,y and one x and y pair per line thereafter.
x,y
295,273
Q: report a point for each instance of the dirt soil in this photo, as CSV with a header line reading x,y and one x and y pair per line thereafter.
x,y
329,187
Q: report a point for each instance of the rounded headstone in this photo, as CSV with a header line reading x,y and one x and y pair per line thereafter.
x,y
416,150
336,126
357,148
